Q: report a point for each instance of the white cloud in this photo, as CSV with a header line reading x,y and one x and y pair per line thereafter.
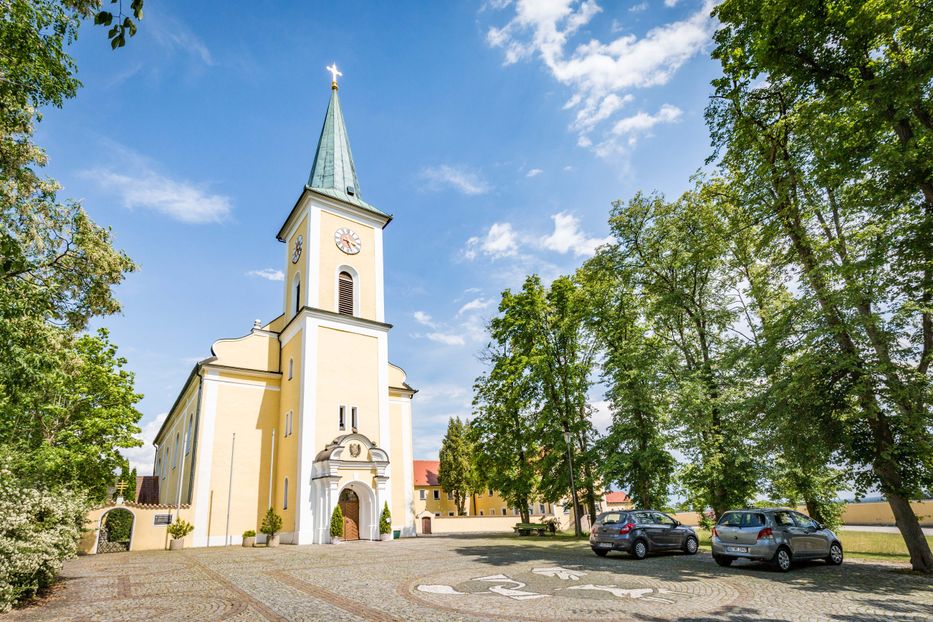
x,y
602,416
270,274
447,339
142,458
477,304
599,73
138,185
175,37
499,241
670,3
567,237
638,8
460,179
423,318
534,172
642,122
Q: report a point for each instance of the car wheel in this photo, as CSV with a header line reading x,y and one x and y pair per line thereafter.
x,y
723,560
835,554
782,559
691,546
639,549
601,552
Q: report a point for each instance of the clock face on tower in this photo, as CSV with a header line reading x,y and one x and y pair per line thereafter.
x,y
296,254
347,240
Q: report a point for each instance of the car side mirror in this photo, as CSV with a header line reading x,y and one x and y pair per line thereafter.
x,y
676,523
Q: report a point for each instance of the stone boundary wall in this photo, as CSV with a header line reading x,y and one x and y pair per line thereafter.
x,y
470,524
874,513
146,535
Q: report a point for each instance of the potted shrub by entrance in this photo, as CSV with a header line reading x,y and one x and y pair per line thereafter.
x,y
336,526
270,526
249,537
385,524
178,530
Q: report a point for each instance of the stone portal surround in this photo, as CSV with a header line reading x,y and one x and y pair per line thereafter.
x,y
468,578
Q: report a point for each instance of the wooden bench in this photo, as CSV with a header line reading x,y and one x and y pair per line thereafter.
x,y
526,529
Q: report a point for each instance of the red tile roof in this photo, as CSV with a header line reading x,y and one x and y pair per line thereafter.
x,y
426,472
617,497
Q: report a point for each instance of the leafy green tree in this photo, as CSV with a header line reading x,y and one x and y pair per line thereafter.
x,y
456,472
675,256
822,120
634,454
68,427
385,520
272,523
502,429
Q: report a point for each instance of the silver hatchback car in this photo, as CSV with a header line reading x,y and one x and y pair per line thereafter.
x,y
640,532
776,535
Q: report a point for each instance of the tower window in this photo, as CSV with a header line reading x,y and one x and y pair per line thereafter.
x,y
296,292
285,501
342,418
345,294
354,419
291,368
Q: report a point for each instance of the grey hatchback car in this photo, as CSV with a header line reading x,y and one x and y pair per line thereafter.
x,y
776,535
640,532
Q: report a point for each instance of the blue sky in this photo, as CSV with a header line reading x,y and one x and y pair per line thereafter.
x,y
496,133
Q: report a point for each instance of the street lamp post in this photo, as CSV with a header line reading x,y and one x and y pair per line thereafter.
x,y
578,531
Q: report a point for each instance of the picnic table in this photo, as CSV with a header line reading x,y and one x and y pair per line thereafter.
x,y
526,529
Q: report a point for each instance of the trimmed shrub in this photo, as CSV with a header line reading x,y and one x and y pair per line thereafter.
x,y
179,529
249,533
385,520
271,523
336,523
38,531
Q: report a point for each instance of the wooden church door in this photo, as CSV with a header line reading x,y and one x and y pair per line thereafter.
x,y
350,506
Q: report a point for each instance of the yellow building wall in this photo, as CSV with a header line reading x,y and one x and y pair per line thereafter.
x,y
291,269
469,524
401,458
363,262
879,513
286,447
347,370
254,351
177,468
489,506
250,412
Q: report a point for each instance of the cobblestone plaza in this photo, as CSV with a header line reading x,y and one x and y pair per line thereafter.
x,y
468,578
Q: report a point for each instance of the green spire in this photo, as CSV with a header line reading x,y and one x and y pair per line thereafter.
x,y
333,173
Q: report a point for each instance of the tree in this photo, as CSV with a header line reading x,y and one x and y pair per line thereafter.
x,y
674,255
271,523
822,119
336,522
502,429
634,453
455,473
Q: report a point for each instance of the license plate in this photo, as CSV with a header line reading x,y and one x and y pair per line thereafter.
x,y
737,549
603,545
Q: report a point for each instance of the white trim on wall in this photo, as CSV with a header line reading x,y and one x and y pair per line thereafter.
x,y
202,489
307,430
380,269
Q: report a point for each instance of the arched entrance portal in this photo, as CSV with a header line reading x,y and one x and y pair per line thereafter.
x,y
350,506
116,531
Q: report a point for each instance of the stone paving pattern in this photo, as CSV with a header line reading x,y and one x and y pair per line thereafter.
x,y
468,578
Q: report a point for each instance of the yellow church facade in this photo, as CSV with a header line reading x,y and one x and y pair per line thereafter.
x,y
305,412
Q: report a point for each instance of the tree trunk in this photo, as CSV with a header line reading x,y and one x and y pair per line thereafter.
x,y
921,558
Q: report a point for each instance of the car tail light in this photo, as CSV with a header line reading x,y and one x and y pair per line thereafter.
x,y
715,533
627,527
765,533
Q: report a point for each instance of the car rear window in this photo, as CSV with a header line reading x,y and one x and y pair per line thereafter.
x,y
742,519
610,518
731,519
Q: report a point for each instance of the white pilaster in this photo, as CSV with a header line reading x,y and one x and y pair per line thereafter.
x,y
202,481
307,431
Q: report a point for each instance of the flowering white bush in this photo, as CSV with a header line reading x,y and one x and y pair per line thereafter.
x,y
38,531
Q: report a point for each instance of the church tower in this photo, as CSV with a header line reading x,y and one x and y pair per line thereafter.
x,y
305,412
335,344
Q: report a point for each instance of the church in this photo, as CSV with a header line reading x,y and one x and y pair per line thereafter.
x,y
305,412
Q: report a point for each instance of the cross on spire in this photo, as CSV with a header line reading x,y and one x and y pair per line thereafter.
x,y
334,72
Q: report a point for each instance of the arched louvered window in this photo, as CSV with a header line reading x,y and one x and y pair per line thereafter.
x,y
345,293
296,293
